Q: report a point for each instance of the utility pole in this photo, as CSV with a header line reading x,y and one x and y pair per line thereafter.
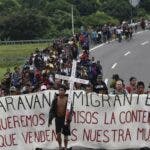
x,y
72,19
131,13
133,3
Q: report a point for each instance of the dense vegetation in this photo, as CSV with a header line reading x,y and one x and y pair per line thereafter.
x,y
36,19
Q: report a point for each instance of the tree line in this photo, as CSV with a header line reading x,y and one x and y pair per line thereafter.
x,y
38,19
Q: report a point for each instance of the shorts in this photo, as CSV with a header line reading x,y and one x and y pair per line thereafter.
x,y
61,127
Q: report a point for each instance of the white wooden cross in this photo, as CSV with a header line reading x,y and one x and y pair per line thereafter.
x,y
72,79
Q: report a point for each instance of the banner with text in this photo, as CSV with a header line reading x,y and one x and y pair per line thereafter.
x,y
99,121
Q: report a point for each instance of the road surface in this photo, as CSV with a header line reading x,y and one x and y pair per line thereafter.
x,y
128,58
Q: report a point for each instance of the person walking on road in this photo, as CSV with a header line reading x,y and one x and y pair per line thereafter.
x,y
58,111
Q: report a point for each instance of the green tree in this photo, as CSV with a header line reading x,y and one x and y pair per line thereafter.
x,y
86,7
118,9
145,4
99,18
36,4
8,7
33,19
24,26
55,5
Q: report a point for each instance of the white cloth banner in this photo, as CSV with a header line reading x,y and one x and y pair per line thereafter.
x,y
99,121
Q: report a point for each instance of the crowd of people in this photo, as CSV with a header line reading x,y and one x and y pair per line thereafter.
x,y
38,73
106,33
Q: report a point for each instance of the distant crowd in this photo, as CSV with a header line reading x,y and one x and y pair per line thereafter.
x,y
38,73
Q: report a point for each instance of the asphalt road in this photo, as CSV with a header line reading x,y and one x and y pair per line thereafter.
x,y
128,58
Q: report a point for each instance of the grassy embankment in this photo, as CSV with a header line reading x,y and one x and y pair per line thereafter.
x,y
12,55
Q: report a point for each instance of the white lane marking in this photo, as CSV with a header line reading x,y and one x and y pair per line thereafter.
x,y
101,45
97,46
144,43
106,81
114,65
127,53
139,32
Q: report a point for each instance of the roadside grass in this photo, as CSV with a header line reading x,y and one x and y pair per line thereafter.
x,y
16,55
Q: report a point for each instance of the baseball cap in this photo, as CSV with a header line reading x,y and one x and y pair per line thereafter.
x,y
13,89
43,87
